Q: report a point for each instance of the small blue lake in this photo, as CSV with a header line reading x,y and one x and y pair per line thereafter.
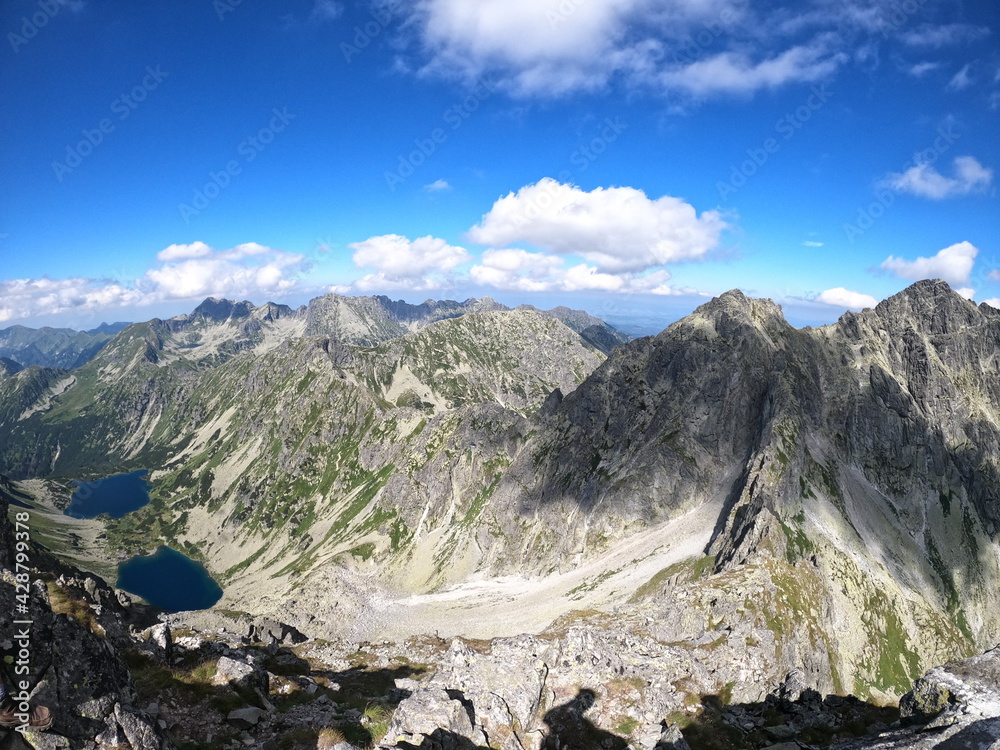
x,y
115,495
169,580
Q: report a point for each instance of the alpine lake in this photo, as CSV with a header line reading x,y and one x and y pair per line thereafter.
x,y
166,579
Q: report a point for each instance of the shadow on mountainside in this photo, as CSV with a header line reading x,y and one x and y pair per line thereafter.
x,y
441,739
811,719
357,702
568,729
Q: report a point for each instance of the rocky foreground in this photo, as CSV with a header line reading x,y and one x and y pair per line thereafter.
x,y
117,674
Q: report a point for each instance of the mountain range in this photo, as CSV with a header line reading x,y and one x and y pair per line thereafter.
x,y
779,499
54,347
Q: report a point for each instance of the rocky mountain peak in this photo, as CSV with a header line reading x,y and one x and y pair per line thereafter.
x,y
733,315
218,310
930,305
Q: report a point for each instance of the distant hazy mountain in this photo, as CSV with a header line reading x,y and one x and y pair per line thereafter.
x,y
55,347
9,367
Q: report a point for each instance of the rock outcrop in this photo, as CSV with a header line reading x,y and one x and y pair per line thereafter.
x,y
66,640
952,707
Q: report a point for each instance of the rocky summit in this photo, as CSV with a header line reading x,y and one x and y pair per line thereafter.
x,y
457,525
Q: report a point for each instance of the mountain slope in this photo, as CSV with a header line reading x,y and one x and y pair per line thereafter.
x,y
858,462
54,347
839,484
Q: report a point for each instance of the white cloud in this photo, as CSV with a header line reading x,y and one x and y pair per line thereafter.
x,y
183,272
617,228
923,67
246,250
812,243
736,73
179,252
437,185
993,302
840,297
534,44
224,273
516,269
961,80
995,274
924,180
381,282
928,35
29,298
953,264
966,291
402,264
699,47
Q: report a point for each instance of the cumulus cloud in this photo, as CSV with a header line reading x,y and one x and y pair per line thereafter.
x,y
993,302
437,186
397,256
995,274
183,272
180,252
219,276
618,228
841,297
534,44
924,180
27,298
936,36
953,264
517,269
698,47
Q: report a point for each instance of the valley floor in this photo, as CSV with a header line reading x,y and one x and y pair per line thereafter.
x,y
511,605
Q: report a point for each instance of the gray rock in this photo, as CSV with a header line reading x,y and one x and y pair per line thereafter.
x,y
672,739
793,685
429,711
139,731
245,718
240,674
159,636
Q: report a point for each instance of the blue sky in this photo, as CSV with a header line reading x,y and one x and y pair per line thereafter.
x,y
624,156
